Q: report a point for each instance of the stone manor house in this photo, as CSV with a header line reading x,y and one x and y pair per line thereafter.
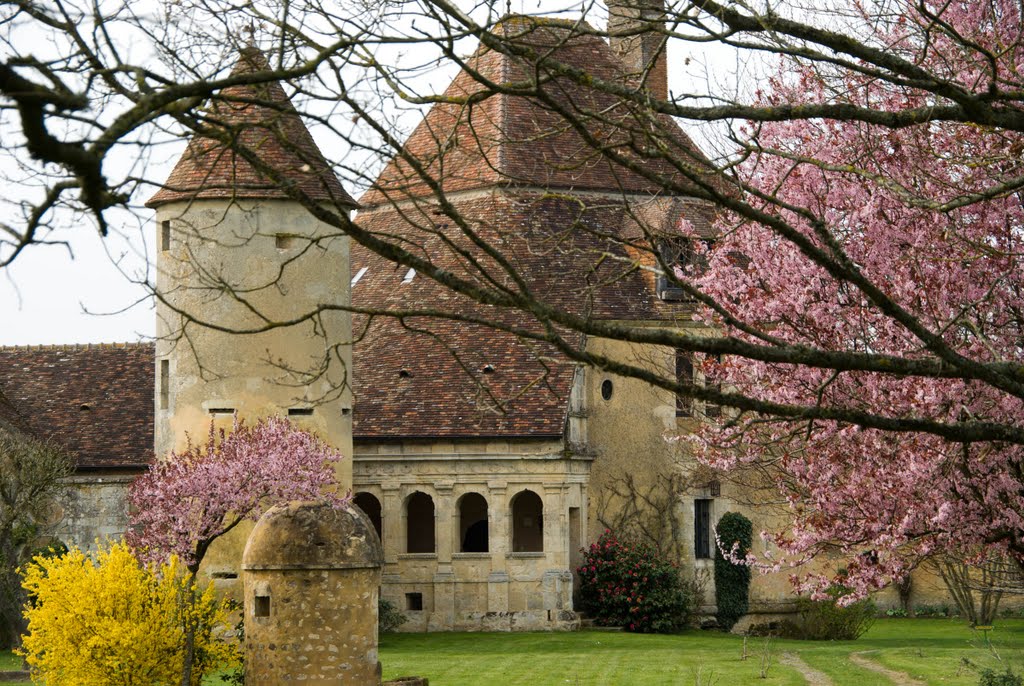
x,y
485,460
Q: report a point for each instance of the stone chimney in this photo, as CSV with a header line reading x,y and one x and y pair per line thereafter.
x,y
634,27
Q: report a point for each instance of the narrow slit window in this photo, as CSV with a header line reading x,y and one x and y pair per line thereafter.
x,y
684,375
221,410
300,411
702,528
165,235
165,382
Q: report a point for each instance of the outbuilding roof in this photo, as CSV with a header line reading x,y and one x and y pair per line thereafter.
x,y
95,400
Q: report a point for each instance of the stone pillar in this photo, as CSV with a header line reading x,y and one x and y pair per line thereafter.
x,y
498,542
311,575
394,524
443,616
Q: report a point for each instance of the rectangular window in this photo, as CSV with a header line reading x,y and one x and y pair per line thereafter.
x,y
300,411
689,256
285,241
165,235
684,375
261,606
221,410
165,383
414,602
702,528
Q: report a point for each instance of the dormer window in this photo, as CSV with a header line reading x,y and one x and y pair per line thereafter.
x,y
681,258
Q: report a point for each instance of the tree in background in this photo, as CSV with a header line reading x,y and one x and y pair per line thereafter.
x,y
31,481
113,620
186,502
879,242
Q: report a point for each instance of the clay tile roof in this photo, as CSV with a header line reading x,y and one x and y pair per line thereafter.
x,y
96,400
425,377
523,139
259,118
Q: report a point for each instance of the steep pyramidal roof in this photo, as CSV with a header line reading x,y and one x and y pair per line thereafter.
x,y
95,400
259,118
523,138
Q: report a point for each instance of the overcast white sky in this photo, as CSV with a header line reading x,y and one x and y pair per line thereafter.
x,y
81,294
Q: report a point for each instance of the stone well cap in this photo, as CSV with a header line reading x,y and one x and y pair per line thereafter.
x,y
313,535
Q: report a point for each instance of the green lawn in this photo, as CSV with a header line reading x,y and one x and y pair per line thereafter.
x,y
929,650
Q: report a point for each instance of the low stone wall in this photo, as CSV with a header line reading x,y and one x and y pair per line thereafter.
x,y
93,509
526,620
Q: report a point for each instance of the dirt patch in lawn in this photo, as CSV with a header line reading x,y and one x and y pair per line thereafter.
x,y
812,676
898,678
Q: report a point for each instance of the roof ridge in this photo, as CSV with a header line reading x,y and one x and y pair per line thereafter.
x,y
77,346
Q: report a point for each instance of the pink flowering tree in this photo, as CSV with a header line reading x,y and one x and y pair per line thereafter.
x,y
186,502
870,278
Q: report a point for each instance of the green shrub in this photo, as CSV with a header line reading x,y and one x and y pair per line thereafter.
x,y
389,617
630,585
825,620
732,582
992,678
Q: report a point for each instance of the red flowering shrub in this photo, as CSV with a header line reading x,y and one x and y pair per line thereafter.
x,y
629,585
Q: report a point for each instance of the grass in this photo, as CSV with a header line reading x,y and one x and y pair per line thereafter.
x,y
930,650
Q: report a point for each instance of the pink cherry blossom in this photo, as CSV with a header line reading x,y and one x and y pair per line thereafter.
x,y
182,504
922,214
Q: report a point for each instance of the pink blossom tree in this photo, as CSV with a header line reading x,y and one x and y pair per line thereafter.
x,y
859,250
186,502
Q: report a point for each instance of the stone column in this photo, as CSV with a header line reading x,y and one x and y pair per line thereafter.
x,y
443,617
498,543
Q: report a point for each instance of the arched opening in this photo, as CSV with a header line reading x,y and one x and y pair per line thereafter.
x,y
473,523
368,503
527,523
419,523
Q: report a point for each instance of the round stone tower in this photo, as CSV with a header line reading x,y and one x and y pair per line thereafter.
x,y
241,263
311,575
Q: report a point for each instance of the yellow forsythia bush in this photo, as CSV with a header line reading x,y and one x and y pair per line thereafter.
x,y
112,621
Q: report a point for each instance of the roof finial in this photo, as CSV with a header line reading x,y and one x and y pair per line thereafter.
x,y
251,30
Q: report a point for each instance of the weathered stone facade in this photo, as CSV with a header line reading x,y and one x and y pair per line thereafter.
x,y
93,508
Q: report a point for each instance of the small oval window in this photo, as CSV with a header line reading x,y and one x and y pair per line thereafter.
x,y
606,389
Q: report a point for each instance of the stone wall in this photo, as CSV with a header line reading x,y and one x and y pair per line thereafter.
x,y
93,509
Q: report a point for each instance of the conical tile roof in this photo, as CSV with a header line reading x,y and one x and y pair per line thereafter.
x,y
259,118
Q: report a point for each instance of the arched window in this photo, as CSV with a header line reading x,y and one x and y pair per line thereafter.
x,y
527,523
368,503
473,523
419,523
